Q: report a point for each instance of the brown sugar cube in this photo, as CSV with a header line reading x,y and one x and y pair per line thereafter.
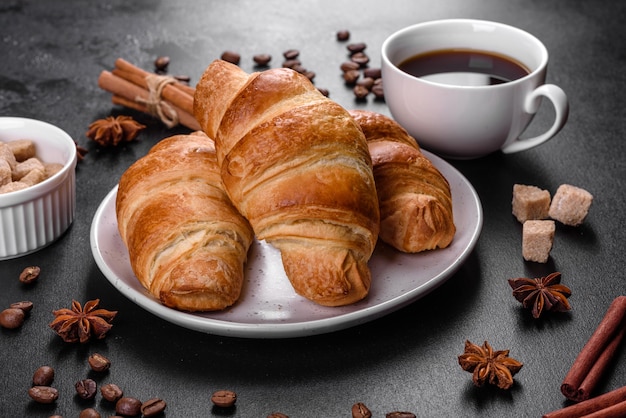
x,y
52,168
537,239
570,205
23,149
7,155
25,167
530,202
13,187
5,173
34,176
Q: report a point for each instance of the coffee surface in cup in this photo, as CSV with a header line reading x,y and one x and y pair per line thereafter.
x,y
464,67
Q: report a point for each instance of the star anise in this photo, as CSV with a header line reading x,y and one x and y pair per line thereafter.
x,y
488,366
82,323
80,152
543,293
114,129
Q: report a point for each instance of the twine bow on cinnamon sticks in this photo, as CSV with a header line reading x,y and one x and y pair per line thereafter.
x,y
158,95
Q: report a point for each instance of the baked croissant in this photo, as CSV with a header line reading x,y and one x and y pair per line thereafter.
x,y
415,199
296,165
187,243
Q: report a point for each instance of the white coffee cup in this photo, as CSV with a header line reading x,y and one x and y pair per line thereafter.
x,y
460,121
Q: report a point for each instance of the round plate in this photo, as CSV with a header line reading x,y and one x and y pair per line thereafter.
x,y
269,307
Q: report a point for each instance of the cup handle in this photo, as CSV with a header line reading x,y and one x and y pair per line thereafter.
x,y
531,105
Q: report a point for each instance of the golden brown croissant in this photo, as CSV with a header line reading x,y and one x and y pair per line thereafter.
x,y
415,199
187,243
296,165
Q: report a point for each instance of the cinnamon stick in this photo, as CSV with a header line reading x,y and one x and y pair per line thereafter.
x,y
616,399
126,66
131,95
596,354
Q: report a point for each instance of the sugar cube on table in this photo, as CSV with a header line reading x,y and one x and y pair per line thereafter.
x,y
537,240
530,202
570,205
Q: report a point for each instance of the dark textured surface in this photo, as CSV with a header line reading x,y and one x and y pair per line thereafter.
x,y
51,55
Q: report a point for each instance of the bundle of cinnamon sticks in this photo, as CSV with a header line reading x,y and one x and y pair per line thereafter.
x,y
592,361
158,95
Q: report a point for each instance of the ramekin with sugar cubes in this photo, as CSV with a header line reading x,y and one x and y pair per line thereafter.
x,y
35,208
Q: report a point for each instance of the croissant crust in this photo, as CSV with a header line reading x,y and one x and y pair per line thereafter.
x,y
414,197
297,166
187,243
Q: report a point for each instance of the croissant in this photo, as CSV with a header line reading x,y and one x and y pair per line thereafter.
x,y
415,199
296,165
187,243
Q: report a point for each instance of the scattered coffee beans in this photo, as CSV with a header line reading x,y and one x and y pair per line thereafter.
x,y
24,305
399,414
98,362
359,410
111,392
43,394
153,407
29,274
89,413
127,406
43,376
86,388
161,63
357,47
224,398
12,318
232,57
262,59
343,35
291,54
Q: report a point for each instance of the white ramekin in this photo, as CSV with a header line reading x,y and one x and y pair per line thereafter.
x,y
33,218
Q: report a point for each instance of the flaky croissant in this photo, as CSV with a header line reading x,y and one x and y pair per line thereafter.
x,y
415,199
296,165
187,243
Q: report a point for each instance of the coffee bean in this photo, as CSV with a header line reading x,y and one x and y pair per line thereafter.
x,y
351,76
161,63
291,63
29,274
291,54
359,410
224,398
324,91
127,406
12,318
232,57
399,414
89,413
378,91
349,66
358,47
43,394
86,388
24,305
343,35
360,58
98,362
262,59
43,376
374,73
366,82
111,392
153,407
277,415
360,92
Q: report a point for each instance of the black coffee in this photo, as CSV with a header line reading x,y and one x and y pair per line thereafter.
x,y
464,67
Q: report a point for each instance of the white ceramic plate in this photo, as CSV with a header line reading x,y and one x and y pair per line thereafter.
x,y
269,308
